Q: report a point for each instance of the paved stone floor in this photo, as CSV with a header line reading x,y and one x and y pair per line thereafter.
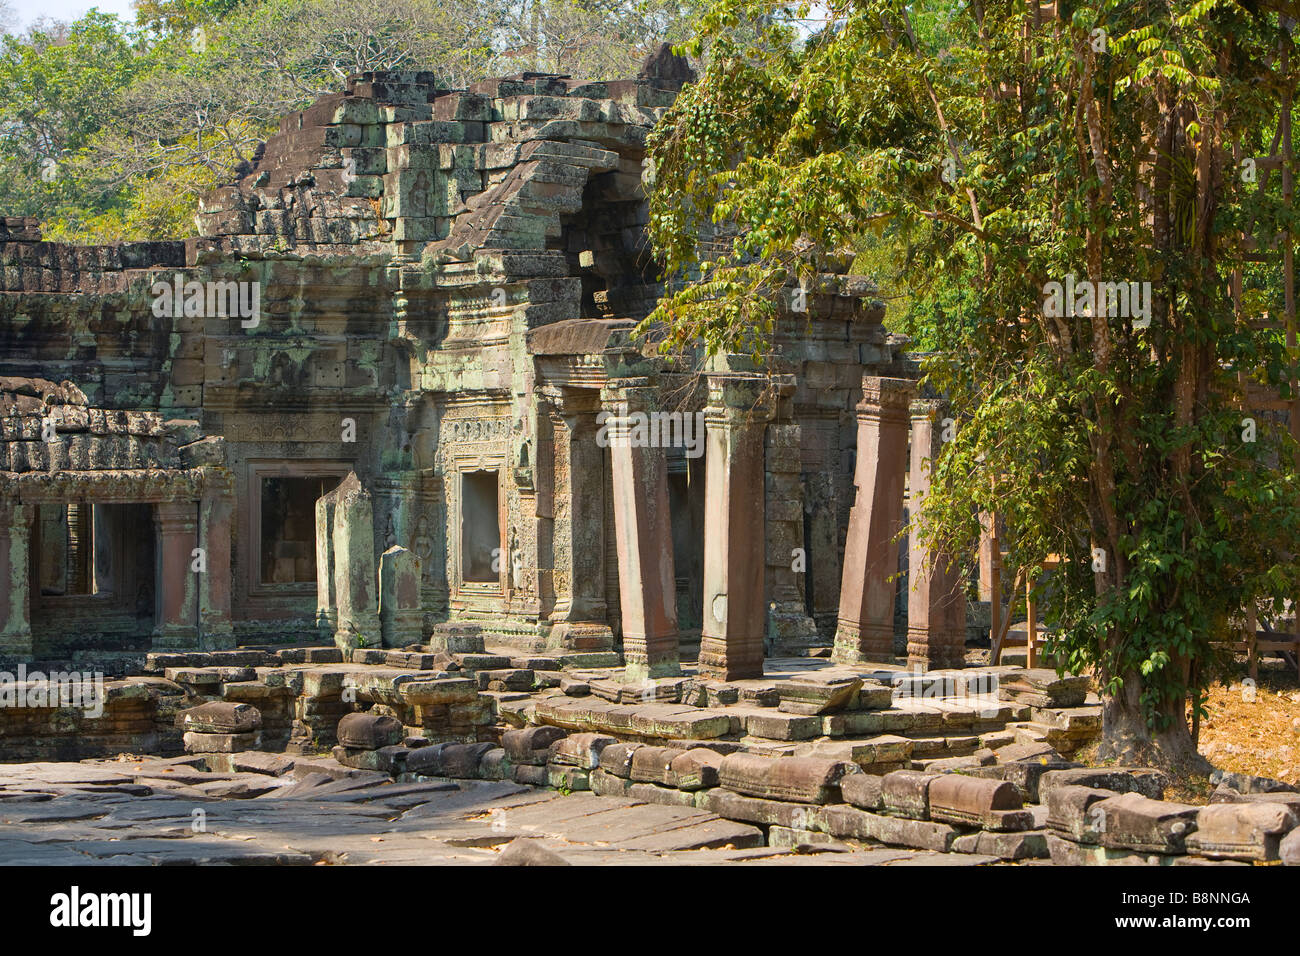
x,y
113,813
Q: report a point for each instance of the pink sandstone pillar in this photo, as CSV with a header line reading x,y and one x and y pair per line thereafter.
x,y
15,581
866,617
643,530
936,607
731,641
177,602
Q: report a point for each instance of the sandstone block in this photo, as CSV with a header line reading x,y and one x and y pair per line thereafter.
x,y
906,793
697,769
616,759
580,750
971,801
798,779
531,745
1133,822
221,717
196,743
1241,831
369,731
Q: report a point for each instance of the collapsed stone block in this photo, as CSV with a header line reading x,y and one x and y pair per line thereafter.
x,y
369,731
863,790
197,743
221,717
580,750
531,745
973,802
1133,822
1070,812
798,779
1149,783
654,765
697,769
616,759
817,696
461,761
906,793
1241,831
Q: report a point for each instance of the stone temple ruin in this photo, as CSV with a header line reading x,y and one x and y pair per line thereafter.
x,y
376,464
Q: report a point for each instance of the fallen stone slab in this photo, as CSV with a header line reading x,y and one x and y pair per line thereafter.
x,y
461,761
971,801
863,790
1245,783
448,690
1241,831
1144,780
1290,801
616,759
580,750
654,765
1289,849
884,749
817,696
1026,845
852,823
735,806
276,765
906,793
566,778
532,775
1131,821
782,726
531,745
606,784
424,761
197,743
221,717
696,769
388,759
798,779
1070,811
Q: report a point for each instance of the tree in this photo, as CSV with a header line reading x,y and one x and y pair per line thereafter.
x,y
1007,147
61,84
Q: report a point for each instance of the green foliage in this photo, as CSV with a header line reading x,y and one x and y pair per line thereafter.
x,y
142,119
976,156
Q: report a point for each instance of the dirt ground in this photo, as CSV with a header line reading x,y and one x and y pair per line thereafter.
x,y
1255,729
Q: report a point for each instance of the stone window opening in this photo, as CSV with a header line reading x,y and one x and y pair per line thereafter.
x,y
481,553
76,549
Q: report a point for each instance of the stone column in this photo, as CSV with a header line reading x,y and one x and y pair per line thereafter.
x,y
866,618
399,597
355,579
15,582
327,612
643,530
216,512
936,606
177,600
731,642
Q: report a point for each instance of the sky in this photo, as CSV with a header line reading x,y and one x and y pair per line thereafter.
x,y
28,10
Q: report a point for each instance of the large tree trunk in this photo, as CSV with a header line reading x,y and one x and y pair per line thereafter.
x,y
1128,740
